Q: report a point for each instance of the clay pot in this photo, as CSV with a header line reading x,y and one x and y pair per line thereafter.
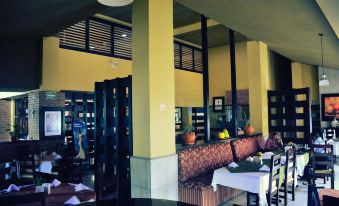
x,y
249,130
189,138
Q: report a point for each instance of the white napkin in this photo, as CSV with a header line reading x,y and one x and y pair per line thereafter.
x,y
250,159
233,165
54,154
72,201
267,155
80,187
264,168
13,187
57,157
330,141
55,183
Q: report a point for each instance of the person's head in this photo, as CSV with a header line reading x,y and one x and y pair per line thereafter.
x,y
276,136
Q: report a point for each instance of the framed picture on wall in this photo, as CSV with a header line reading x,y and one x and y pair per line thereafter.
x,y
51,123
218,104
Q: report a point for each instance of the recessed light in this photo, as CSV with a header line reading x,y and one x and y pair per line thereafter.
x,y
92,47
124,35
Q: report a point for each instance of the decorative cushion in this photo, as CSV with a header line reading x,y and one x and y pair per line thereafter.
x,y
202,182
244,147
261,142
196,161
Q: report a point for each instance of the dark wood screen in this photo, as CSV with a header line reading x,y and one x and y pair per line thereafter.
x,y
198,121
113,131
79,106
21,116
289,113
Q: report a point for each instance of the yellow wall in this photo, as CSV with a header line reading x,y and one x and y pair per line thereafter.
x,y
220,69
304,75
65,69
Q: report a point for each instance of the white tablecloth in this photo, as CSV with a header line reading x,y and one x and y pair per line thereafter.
x,y
45,166
254,182
300,163
335,148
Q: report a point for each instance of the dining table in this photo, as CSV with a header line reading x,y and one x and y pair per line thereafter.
x,y
248,177
58,196
136,202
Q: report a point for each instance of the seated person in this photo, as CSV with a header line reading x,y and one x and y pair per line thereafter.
x,y
317,139
274,141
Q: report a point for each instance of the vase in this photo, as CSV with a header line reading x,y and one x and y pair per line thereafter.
x,y
189,138
249,130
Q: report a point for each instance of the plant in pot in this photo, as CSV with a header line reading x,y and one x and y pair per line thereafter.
x,y
14,134
248,128
189,135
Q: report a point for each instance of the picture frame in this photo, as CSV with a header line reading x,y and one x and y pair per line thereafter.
x,y
219,104
51,123
329,106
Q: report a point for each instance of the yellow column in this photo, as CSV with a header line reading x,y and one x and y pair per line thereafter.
x,y
154,169
153,78
12,113
258,70
296,75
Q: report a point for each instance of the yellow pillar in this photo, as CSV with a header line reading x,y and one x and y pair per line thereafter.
x,y
258,70
296,75
154,161
12,113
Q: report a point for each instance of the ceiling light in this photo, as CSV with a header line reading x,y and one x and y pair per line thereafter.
x,y
323,80
92,47
115,2
124,35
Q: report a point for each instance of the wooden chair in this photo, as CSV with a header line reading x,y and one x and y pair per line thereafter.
x,y
322,163
274,186
70,170
27,166
289,175
329,133
23,199
329,200
6,175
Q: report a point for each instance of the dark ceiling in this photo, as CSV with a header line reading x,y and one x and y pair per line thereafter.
x,y
23,19
26,19
217,35
182,15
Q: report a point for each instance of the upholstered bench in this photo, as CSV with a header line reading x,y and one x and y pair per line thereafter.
x,y
196,167
248,146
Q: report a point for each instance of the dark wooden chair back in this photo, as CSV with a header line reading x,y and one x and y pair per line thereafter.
x,y
274,172
290,165
325,158
70,170
6,175
323,162
274,177
330,201
330,133
23,199
27,166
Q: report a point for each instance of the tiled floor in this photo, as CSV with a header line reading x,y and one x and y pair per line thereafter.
x,y
301,192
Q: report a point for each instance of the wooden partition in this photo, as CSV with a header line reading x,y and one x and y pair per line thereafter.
x,y
79,106
113,133
289,113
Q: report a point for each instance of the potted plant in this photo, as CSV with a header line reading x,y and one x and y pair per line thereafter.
x,y
188,135
248,128
14,134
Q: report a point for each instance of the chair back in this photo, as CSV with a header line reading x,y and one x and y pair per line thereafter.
x,y
290,164
7,177
330,133
274,174
324,159
23,199
27,165
312,192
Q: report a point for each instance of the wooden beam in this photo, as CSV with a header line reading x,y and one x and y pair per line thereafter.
x,y
233,83
205,78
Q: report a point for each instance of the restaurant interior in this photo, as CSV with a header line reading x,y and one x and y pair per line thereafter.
x,y
171,102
